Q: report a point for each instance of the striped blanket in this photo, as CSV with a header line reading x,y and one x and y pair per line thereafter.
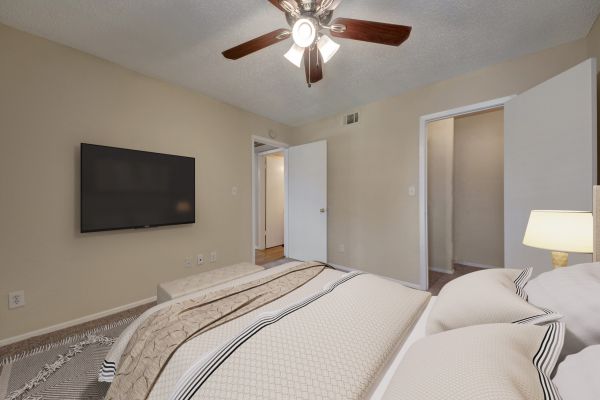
x,y
159,336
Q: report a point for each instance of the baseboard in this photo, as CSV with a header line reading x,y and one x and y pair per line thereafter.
x,y
350,269
442,270
73,322
476,265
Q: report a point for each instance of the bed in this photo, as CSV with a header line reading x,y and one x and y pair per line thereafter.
x,y
308,330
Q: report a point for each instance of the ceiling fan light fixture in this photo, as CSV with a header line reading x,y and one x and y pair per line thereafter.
x,y
327,47
295,55
325,4
287,6
304,32
338,28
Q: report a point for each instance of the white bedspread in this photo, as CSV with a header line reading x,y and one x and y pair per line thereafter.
x,y
338,346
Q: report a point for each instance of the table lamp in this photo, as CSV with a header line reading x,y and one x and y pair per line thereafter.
x,y
561,232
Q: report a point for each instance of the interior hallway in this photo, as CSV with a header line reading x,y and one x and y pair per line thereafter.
x,y
267,256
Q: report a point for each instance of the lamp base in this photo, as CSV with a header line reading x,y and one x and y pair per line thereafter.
x,y
559,259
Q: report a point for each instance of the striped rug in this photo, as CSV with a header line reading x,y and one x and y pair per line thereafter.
x,y
66,370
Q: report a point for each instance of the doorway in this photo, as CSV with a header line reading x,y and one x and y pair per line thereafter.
x,y
461,192
271,209
304,202
465,195
270,202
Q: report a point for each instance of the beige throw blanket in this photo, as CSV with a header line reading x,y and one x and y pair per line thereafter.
x,y
155,341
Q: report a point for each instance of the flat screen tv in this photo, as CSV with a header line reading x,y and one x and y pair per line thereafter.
x,y
125,189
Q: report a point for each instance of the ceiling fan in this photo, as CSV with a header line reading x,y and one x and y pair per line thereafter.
x,y
308,19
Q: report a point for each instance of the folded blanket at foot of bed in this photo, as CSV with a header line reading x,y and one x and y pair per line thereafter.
x,y
160,335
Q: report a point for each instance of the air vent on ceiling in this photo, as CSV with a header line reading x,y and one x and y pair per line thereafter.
x,y
350,119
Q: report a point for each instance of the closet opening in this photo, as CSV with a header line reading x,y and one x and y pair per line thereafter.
x,y
465,195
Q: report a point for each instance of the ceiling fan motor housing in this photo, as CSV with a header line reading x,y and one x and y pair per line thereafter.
x,y
308,5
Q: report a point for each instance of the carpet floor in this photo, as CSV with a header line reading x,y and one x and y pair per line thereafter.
x,y
437,280
63,370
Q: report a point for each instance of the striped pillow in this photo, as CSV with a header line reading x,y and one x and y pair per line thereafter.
x,y
491,362
486,297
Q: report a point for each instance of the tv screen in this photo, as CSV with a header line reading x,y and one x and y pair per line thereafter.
x,y
122,189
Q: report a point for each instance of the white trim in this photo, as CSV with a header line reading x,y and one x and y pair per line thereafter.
x,y
476,265
350,269
442,270
286,202
281,146
266,153
269,141
77,321
424,120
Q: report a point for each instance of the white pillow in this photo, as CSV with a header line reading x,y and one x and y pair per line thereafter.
x,y
577,376
483,362
574,292
486,297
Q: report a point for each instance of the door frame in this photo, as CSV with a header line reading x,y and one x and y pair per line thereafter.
x,y
423,218
283,147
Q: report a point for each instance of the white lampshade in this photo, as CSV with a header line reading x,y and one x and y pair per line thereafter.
x,y
327,47
565,231
295,54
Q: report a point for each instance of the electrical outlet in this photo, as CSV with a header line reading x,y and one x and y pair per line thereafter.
x,y
16,299
188,262
234,191
213,256
200,259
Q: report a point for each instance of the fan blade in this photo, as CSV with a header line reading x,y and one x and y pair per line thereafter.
x,y
368,31
335,4
256,44
287,6
276,4
313,65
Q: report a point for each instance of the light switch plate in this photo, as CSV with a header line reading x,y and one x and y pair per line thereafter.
x,y
213,256
16,299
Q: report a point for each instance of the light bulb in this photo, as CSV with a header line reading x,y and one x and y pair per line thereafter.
x,y
295,55
327,47
304,32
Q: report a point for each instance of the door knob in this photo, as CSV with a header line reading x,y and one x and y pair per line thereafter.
x,y
322,210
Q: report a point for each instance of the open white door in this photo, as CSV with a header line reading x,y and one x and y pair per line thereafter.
x,y
550,157
307,202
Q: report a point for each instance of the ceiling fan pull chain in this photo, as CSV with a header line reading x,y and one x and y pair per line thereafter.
x,y
309,68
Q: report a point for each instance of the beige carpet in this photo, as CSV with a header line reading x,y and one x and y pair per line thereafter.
x,y
437,280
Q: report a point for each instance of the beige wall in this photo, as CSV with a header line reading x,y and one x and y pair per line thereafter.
x,y
51,99
372,164
479,189
440,167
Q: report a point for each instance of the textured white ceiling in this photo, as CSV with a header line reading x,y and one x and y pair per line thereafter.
x,y
181,41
